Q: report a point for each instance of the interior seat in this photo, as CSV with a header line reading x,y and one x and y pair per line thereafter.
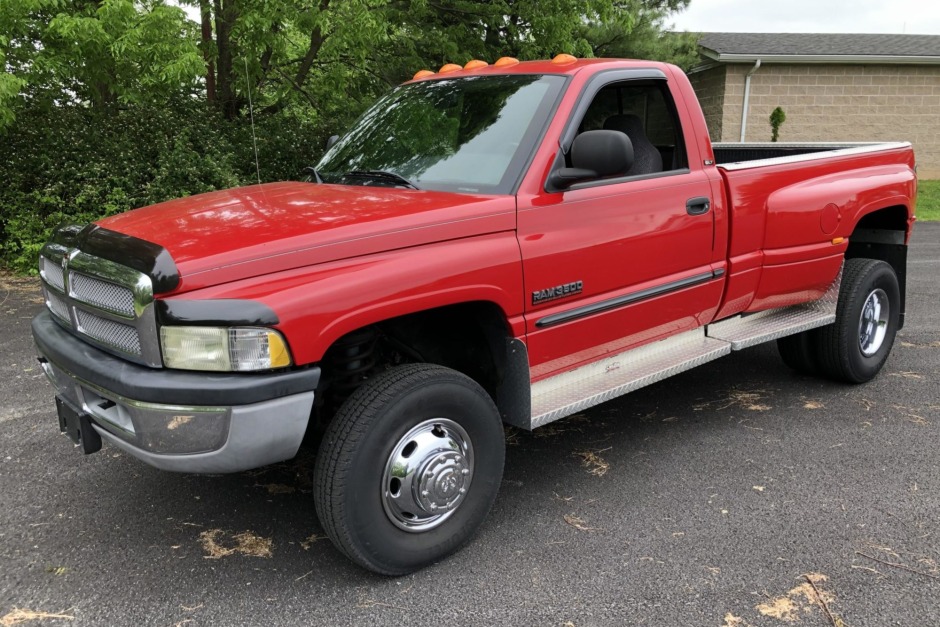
x,y
647,158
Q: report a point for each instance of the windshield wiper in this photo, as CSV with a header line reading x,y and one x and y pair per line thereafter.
x,y
381,175
312,174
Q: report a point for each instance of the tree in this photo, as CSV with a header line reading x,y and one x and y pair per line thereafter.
x,y
319,54
98,52
641,33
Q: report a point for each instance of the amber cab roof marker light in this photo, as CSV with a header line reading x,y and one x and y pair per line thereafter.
x,y
564,59
506,61
448,68
475,64
422,74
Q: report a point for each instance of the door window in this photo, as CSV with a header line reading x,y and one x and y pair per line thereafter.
x,y
645,112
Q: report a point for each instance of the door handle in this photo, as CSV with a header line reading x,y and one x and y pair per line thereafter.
x,y
698,206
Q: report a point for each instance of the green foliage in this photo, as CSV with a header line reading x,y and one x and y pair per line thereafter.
x,y
928,201
9,88
76,164
108,105
777,118
640,34
100,53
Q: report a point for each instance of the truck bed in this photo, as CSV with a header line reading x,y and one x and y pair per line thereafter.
x,y
739,156
793,209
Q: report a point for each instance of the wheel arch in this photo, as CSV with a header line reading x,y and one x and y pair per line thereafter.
x,y
882,233
472,337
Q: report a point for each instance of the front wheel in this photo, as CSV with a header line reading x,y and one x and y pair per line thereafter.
x,y
855,347
409,467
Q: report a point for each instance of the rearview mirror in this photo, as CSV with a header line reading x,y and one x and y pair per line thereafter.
x,y
332,140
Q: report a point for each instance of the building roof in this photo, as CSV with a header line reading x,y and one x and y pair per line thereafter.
x,y
820,48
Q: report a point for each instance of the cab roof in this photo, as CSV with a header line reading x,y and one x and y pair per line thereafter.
x,y
544,67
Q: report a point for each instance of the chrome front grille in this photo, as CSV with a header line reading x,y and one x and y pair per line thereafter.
x,y
108,296
118,335
52,273
57,305
105,303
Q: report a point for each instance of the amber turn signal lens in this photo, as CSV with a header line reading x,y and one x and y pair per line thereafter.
x,y
422,74
450,67
564,59
506,61
837,240
475,64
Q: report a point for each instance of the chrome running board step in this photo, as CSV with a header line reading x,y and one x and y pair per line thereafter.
x,y
745,331
595,383
750,330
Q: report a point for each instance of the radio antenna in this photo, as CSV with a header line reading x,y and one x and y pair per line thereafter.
x,y
251,114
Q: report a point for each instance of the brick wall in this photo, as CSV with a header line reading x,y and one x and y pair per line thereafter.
x,y
838,103
710,88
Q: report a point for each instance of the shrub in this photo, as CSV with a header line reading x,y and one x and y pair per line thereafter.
x,y
69,163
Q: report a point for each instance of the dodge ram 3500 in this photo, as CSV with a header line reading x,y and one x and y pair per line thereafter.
x,y
510,243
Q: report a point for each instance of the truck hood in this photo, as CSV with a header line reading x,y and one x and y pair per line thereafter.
x,y
250,231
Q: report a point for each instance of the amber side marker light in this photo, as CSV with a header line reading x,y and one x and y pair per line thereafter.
x,y
475,64
450,67
506,61
422,74
837,240
564,59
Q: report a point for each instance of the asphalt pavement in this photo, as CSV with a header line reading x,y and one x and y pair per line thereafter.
x,y
738,494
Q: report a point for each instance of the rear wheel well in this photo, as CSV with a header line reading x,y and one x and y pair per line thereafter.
x,y
473,338
882,235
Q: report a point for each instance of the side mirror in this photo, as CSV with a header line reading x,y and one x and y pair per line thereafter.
x,y
594,154
332,140
563,178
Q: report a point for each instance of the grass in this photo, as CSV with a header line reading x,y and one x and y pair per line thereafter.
x,y
928,201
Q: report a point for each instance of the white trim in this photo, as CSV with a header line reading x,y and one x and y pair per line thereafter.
x,y
800,59
839,150
704,67
747,98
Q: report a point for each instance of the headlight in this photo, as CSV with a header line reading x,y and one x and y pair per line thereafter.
x,y
223,349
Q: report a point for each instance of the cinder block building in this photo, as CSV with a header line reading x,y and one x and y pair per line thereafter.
x,y
841,87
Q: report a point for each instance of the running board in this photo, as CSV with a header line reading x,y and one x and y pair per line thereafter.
x,y
570,392
749,330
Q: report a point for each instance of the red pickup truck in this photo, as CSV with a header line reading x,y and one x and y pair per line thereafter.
x,y
496,244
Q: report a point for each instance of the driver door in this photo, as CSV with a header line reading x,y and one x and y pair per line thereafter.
x,y
612,264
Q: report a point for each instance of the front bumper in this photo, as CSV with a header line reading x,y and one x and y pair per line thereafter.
x,y
179,421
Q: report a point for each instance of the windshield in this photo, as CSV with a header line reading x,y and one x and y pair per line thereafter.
x,y
472,134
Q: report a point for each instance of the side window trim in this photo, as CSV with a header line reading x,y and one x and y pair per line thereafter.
x,y
586,97
628,179
584,102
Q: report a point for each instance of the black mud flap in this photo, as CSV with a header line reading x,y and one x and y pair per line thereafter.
x,y
78,427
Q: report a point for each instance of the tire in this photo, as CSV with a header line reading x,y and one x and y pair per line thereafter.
x,y
849,350
798,351
450,424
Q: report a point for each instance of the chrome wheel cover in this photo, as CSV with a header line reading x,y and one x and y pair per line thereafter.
x,y
427,475
873,322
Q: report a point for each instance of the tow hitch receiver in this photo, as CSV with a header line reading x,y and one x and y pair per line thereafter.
x,y
77,426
